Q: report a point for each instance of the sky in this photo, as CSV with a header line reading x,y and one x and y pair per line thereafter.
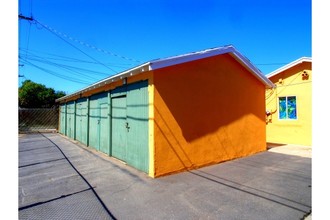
x,y
71,44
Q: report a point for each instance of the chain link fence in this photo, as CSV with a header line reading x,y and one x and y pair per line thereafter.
x,y
38,119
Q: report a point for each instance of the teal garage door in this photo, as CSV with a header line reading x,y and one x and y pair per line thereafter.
x,y
62,128
99,122
82,120
119,127
104,126
70,119
129,125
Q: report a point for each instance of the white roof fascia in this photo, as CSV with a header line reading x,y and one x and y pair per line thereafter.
x,y
119,76
170,61
161,63
288,66
254,70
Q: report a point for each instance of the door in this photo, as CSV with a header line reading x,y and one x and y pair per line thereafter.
x,y
119,127
129,125
81,120
84,122
104,128
137,119
99,122
63,119
94,123
78,122
70,125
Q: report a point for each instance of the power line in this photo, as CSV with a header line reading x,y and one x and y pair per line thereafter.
x,y
56,74
28,39
71,59
30,20
31,8
57,35
88,45
74,46
78,41
270,64
34,57
76,70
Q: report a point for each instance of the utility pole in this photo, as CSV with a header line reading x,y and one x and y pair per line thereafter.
x,y
28,19
25,18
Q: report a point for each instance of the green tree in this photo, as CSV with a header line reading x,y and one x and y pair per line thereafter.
x,y
35,95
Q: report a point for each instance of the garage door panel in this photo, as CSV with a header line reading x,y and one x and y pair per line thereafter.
x,y
119,127
104,128
137,118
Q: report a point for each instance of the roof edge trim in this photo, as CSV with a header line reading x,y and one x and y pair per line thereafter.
x,y
170,61
253,69
110,79
174,60
289,65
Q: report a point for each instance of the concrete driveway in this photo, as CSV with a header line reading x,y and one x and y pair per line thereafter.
x,y
60,179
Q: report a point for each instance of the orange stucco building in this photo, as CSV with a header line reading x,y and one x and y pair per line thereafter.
x,y
200,108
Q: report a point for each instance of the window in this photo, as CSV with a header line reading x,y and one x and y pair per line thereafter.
x,y
287,107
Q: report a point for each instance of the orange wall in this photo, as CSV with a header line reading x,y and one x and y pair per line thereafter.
x,y
205,112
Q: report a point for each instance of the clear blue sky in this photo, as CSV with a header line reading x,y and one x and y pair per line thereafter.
x,y
89,40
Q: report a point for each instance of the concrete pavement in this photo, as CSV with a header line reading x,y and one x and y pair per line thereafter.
x,y
60,179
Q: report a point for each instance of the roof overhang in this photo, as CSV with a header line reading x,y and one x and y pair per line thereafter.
x,y
161,63
134,71
290,65
174,60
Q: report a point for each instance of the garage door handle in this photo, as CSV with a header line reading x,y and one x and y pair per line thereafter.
x,y
128,127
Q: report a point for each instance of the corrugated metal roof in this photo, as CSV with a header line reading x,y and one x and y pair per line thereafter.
x,y
174,60
288,66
